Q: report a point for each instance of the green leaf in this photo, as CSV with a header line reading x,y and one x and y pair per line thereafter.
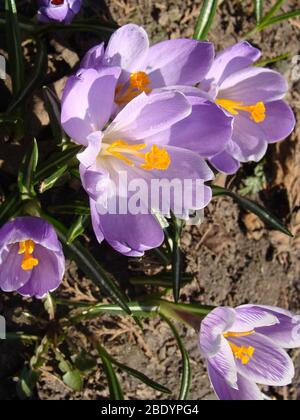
x,y
8,119
136,374
265,215
268,61
141,377
27,172
79,26
73,380
90,265
160,280
138,309
78,208
115,389
56,161
9,208
38,73
258,10
77,228
272,11
279,19
50,182
53,108
27,383
205,19
186,367
176,257
13,40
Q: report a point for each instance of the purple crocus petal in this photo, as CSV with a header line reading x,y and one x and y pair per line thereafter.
x,y
96,221
206,131
12,276
248,139
188,166
90,153
93,58
254,84
179,62
129,234
279,123
47,276
247,390
75,5
218,322
286,334
34,228
190,91
63,13
251,318
270,365
95,181
224,363
58,13
41,278
88,101
146,116
225,163
230,61
128,48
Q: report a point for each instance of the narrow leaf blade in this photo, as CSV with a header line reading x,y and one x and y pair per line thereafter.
x,y
205,19
265,215
186,366
90,265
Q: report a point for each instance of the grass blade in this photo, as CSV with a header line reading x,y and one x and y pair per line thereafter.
x,y
13,39
272,11
186,366
39,70
265,215
205,19
278,19
138,375
53,108
27,172
90,265
258,10
115,389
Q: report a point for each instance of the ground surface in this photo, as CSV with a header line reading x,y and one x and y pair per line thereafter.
x,y
233,257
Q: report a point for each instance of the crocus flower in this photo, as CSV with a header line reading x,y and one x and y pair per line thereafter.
x,y
137,142
253,96
62,11
31,257
245,346
144,68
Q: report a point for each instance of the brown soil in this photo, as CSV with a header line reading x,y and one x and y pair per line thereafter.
x,y
233,257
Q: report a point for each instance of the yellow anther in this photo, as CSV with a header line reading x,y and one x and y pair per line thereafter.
x,y
157,158
27,248
257,111
244,354
138,83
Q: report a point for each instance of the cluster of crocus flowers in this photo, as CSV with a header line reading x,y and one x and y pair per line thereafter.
x,y
31,257
164,101
254,96
122,107
62,11
246,346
